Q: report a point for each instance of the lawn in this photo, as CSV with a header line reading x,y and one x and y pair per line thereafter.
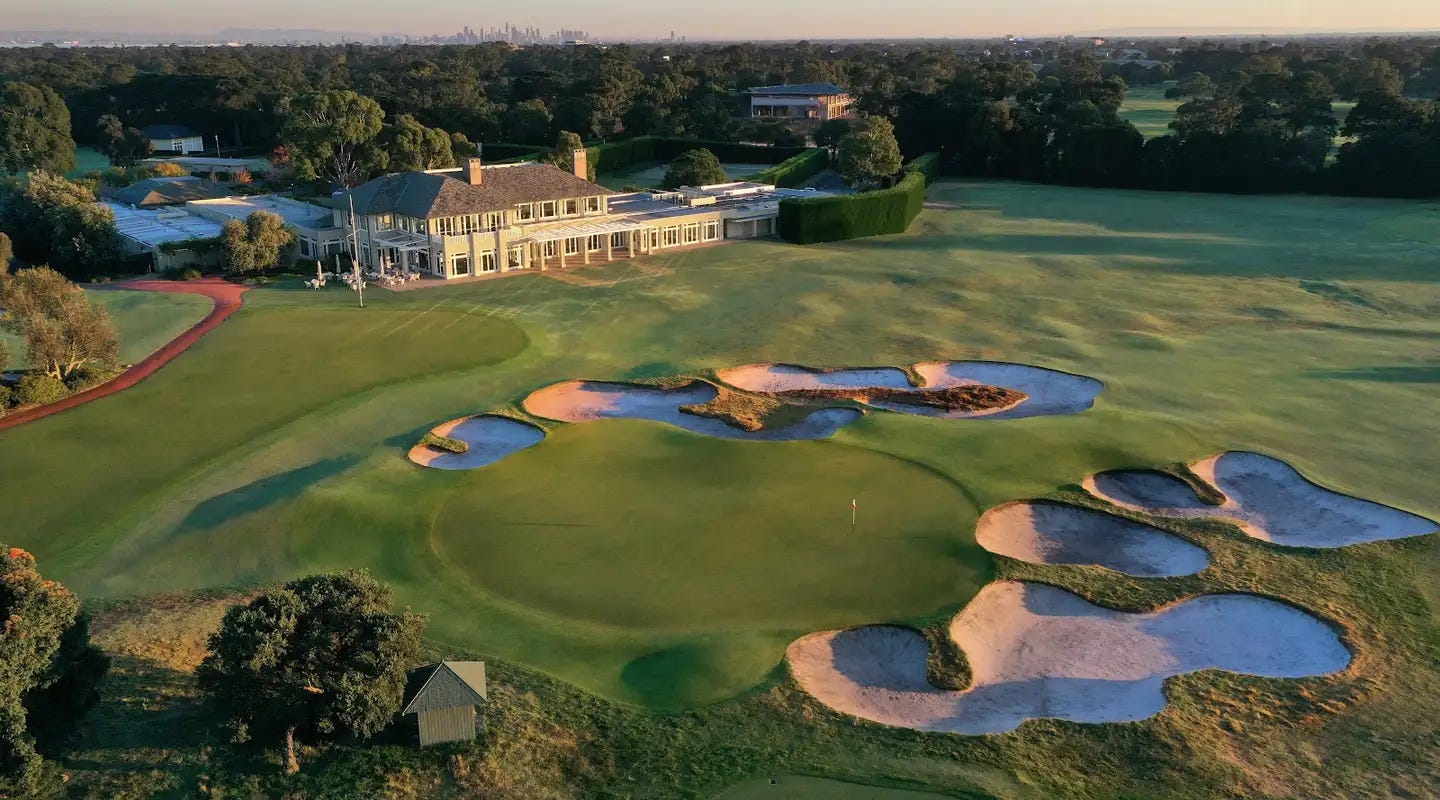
x,y
146,320
649,175
667,570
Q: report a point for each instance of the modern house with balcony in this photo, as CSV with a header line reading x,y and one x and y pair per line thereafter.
x,y
482,220
815,102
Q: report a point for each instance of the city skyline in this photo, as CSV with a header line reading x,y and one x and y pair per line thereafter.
x,y
736,19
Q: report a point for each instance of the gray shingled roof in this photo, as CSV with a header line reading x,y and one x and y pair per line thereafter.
x,y
168,191
425,195
449,684
803,89
170,131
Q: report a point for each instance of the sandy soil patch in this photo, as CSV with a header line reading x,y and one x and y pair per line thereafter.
x,y
1040,652
1052,533
489,439
584,401
1051,392
1269,499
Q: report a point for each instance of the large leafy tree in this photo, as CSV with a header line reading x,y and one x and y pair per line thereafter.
x,y
563,156
698,167
320,656
7,254
57,221
412,146
123,145
34,130
331,136
869,154
259,243
64,332
47,666
528,122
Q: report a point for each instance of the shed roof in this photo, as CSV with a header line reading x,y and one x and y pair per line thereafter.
x,y
168,191
801,89
170,131
434,194
449,684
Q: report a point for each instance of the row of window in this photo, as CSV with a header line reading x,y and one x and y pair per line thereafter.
x,y
467,224
555,209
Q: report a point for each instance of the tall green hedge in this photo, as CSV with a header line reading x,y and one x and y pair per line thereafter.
x,y
612,157
831,218
795,171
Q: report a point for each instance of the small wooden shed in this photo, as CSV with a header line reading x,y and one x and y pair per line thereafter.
x,y
447,698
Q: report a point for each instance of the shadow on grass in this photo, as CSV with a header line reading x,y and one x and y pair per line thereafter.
x,y
1418,373
262,493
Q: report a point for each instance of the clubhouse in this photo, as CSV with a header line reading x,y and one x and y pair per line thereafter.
x,y
493,219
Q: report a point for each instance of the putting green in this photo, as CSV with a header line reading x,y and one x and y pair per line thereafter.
x,y
636,526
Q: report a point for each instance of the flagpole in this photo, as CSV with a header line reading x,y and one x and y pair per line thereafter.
x,y
852,515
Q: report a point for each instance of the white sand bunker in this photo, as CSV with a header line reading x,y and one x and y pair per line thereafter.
x,y
489,438
584,401
1268,498
1050,392
1040,652
1051,533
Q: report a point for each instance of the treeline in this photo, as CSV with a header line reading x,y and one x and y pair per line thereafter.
x,y
1262,123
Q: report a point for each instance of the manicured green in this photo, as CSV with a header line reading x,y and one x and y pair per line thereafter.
x,y
1304,327
146,320
1149,110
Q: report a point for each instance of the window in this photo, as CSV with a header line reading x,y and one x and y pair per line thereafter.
x,y
515,258
572,246
469,224
572,207
494,222
550,248
489,263
592,204
593,243
304,247
445,226
547,210
383,223
712,231
654,238
525,212
692,233
672,236
460,265
619,240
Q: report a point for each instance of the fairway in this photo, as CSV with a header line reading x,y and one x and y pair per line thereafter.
x,y
1147,108
639,568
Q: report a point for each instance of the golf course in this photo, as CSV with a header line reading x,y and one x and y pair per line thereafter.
x,y
642,583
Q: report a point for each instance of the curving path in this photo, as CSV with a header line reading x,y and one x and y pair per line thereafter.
x,y
227,299
1269,499
1038,652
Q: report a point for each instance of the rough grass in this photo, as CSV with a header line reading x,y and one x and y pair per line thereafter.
x,y
751,411
955,398
446,443
145,320
1303,327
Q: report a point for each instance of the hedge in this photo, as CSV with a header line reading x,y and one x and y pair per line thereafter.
x,y
831,218
612,157
795,171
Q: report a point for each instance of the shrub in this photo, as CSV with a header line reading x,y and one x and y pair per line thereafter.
x,y
7,397
445,443
795,171
38,388
615,156
180,273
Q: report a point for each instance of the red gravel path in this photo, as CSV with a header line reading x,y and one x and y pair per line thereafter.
x,y
224,294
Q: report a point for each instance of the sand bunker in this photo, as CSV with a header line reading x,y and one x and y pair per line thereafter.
x,y
1040,652
490,438
584,401
1051,533
1268,498
1048,392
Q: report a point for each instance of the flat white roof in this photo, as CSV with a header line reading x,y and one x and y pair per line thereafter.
x,y
151,227
294,212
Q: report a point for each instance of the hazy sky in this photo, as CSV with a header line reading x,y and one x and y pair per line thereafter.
x,y
788,19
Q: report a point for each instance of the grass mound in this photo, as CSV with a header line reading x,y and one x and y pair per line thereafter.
x,y
445,443
955,398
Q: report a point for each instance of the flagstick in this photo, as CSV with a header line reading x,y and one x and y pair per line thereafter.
x,y
852,516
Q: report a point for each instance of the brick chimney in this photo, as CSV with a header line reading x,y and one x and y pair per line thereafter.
x,y
472,172
581,162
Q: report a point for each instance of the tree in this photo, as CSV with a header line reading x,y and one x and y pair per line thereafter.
x,y
42,642
831,131
697,167
34,130
7,254
528,122
57,221
563,156
331,136
124,146
869,154
257,244
166,169
64,332
414,147
320,656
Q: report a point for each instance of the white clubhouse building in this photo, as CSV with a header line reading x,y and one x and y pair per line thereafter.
x,y
479,219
